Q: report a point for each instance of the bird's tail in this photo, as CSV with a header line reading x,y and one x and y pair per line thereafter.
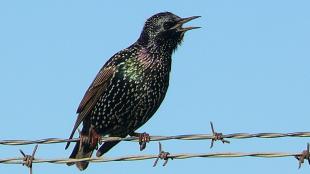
x,y
81,151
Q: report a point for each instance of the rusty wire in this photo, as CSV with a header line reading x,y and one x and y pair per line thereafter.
x,y
162,155
217,136
28,159
305,155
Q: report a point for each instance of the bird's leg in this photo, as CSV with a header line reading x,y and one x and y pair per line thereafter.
x,y
84,138
91,139
143,139
95,138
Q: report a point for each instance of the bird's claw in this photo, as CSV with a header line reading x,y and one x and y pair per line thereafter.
x,y
143,139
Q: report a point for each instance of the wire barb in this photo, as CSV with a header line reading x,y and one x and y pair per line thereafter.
x,y
217,136
305,155
162,155
28,159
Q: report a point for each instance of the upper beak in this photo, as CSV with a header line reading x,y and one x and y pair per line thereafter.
x,y
183,21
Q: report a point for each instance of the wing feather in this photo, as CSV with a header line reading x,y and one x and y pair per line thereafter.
x,y
92,95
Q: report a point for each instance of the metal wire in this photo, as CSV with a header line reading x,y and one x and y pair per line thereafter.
x,y
145,157
28,160
161,138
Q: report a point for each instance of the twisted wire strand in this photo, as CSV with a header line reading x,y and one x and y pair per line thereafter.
x,y
161,138
146,157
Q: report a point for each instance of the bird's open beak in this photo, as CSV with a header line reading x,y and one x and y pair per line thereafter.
x,y
182,21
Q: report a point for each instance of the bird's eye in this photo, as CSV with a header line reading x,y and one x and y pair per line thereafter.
x,y
168,25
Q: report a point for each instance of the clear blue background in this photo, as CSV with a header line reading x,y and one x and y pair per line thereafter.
x,y
246,69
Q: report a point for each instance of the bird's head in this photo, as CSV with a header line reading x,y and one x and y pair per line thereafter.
x,y
164,31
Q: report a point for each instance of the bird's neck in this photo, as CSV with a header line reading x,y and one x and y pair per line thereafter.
x,y
158,46
155,54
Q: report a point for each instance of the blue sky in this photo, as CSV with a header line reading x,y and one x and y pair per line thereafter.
x,y
246,69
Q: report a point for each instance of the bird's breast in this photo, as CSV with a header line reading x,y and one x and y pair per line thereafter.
x,y
148,82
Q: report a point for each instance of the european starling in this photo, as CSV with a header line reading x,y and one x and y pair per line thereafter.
x,y
130,87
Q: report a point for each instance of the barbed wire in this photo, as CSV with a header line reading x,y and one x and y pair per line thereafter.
x,y
161,138
143,138
145,157
214,136
304,155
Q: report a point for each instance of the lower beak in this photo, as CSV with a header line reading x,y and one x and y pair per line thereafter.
x,y
183,21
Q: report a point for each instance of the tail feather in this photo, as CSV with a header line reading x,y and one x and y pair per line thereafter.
x,y
79,152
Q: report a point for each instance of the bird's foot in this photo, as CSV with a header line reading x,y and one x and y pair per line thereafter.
x,y
143,139
95,138
92,139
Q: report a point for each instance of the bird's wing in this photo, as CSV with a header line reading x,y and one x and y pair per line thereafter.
x,y
92,95
104,75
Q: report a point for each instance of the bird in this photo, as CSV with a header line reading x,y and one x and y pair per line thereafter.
x,y
129,88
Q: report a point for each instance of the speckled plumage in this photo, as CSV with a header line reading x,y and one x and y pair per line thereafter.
x,y
134,94
130,87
